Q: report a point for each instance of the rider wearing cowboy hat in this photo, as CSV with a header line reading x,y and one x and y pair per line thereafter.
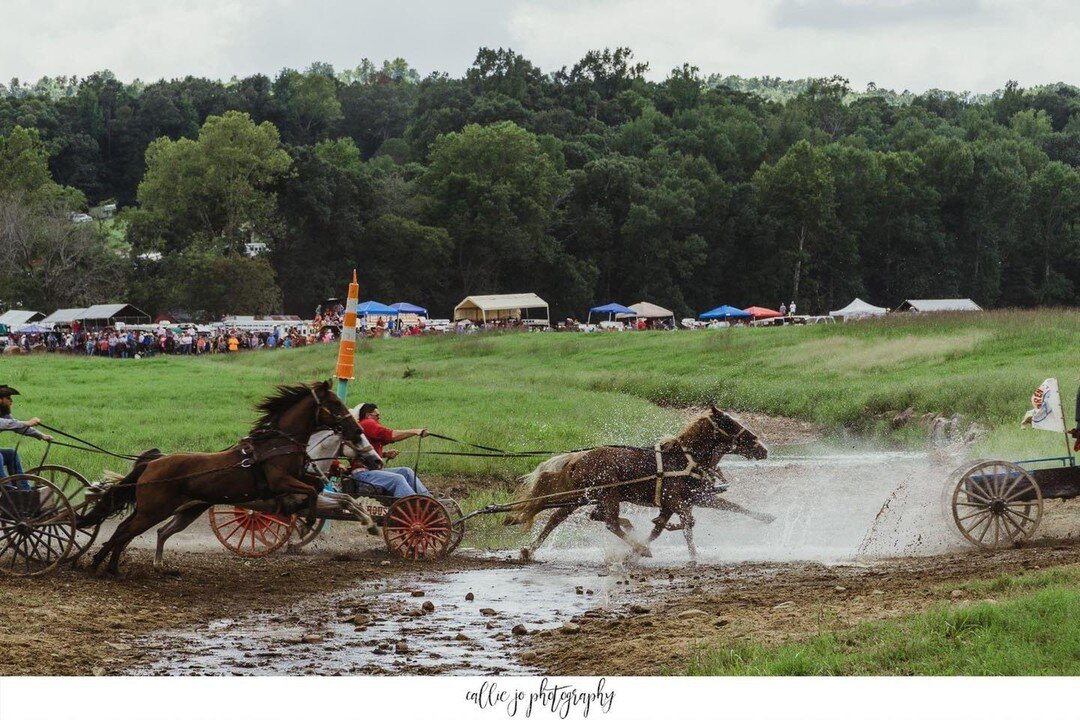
x,y
11,464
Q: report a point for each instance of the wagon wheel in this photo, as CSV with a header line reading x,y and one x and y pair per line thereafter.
x,y
249,532
304,531
417,527
37,526
996,504
74,486
457,527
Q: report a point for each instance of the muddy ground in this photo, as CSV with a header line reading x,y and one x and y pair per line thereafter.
x,y
343,605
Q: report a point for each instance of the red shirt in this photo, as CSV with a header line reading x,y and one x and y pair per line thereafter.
x,y
377,434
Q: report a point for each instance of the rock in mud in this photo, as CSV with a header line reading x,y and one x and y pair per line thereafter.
x,y
470,597
488,612
781,606
694,613
384,563
519,630
359,620
840,588
462,637
570,628
312,639
428,607
417,593
401,647
639,609
528,656
579,590
956,594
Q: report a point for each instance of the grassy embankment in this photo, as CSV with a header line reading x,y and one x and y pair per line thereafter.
x,y
1020,625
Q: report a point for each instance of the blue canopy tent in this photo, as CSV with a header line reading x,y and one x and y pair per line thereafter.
x,y
371,307
610,309
724,312
404,307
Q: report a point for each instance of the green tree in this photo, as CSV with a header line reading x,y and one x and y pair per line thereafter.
x,y
494,189
218,187
798,195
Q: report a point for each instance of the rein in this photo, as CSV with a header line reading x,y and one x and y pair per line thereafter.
x,y
86,445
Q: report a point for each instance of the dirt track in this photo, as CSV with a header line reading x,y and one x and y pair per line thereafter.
x,y
73,624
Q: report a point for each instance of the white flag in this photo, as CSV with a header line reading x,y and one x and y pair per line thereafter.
x,y
1047,414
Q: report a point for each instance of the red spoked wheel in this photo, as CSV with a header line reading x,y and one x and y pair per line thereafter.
x,y
249,532
418,527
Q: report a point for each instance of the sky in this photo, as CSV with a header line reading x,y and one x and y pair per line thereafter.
x,y
963,45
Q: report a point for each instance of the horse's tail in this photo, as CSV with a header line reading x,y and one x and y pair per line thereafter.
x,y
550,477
120,494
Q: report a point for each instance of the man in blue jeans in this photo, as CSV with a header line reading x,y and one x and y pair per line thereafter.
x,y
397,481
11,464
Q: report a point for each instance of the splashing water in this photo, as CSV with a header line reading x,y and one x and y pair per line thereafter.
x,y
831,505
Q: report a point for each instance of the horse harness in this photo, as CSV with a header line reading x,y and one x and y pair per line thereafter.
x,y
692,469
262,445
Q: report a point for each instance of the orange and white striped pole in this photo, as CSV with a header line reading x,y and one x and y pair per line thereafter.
x,y
347,348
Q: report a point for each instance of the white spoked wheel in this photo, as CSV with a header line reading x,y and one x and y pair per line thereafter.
x,y
996,504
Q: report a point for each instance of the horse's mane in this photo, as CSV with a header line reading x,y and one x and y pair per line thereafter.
x,y
671,443
272,406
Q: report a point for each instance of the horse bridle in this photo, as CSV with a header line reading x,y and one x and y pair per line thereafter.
x,y
338,424
726,434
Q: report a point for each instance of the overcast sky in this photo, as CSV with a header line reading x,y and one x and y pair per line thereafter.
x,y
901,44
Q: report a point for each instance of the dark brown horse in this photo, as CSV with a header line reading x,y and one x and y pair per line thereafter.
x,y
608,476
268,464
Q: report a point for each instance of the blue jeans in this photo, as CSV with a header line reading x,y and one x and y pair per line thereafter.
x,y
398,481
10,464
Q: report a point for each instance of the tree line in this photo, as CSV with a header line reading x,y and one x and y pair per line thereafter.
x,y
586,185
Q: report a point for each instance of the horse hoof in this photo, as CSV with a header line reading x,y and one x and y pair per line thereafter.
x,y
373,530
691,564
644,552
526,554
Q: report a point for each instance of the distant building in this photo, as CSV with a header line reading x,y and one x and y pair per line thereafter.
x,y
253,249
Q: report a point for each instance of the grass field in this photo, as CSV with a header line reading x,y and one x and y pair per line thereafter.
x,y
559,391
1023,627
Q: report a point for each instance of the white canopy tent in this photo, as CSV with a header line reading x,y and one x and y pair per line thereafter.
x,y
939,305
858,308
483,308
648,311
16,318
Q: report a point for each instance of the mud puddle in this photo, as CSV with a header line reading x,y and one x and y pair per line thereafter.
x,y
384,628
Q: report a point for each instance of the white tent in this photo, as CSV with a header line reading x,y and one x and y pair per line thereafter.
x,y
499,307
943,305
648,311
857,309
15,318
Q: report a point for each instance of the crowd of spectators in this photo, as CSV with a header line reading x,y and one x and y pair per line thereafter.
x,y
138,343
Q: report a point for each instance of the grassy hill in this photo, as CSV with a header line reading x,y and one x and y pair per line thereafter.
x,y
558,390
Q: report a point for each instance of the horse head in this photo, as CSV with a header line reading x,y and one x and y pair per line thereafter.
x,y
732,436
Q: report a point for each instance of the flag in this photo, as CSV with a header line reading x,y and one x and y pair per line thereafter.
x,y
1046,401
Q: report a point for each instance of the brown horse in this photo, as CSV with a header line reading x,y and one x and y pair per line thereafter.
x,y
268,464
608,476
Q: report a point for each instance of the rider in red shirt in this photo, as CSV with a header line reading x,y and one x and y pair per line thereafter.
x,y
397,481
